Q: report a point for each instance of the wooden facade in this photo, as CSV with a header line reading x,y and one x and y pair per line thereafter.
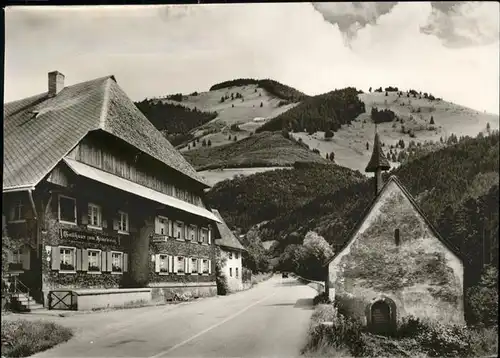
x,y
85,234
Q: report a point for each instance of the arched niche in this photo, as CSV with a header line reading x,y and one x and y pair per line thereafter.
x,y
381,315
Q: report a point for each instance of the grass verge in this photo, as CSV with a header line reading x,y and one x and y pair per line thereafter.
x,y
345,337
23,338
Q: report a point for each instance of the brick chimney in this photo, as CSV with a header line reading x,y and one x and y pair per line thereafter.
x,y
56,83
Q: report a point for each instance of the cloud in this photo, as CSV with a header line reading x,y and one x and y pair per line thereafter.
x,y
463,24
350,17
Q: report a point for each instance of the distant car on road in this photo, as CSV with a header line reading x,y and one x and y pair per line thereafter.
x,y
284,275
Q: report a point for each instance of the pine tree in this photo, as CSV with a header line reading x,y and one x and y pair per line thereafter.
x,y
488,128
235,138
229,138
209,143
261,104
370,90
332,156
432,120
204,143
367,146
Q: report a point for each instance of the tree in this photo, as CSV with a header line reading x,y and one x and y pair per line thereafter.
x,y
194,144
488,128
316,250
483,298
209,143
367,146
432,120
261,104
232,105
332,156
386,94
328,134
327,156
204,143
370,90
232,96
235,138
189,147
229,138
222,99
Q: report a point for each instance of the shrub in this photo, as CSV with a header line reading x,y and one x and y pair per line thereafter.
x,y
23,338
445,341
222,286
246,274
321,298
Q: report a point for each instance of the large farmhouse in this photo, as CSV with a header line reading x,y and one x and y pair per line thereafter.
x,y
99,202
395,264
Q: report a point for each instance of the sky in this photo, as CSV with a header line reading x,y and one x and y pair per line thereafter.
x,y
448,49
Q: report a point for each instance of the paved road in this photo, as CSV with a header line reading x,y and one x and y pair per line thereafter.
x,y
270,320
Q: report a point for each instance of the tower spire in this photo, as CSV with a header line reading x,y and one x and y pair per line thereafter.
x,y
378,163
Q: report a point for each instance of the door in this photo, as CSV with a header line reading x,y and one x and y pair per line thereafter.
x,y
381,317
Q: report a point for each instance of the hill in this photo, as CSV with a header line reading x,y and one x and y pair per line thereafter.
x,y
422,120
174,120
246,201
447,183
275,88
319,113
259,150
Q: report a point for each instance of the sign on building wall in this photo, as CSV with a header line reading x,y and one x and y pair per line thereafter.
x,y
81,236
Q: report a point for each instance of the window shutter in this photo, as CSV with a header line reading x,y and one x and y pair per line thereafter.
x,y
85,260
125,262
103,261
56,258
157,263
209,267
26,257
176,263
157,225
209,235
200,267
109,261
170,228
169,263
79,257
187,261
10,256
186,234
85,217
104,223
115,224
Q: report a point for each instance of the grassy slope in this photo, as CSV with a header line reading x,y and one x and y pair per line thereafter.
x,y
260,150
243,112
349,143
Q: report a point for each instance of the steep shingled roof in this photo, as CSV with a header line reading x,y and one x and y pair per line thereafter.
x,y
40,130
378,159
227,237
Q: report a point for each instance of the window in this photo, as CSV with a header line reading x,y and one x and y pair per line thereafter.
x,y
192,232
123,222
94,260
116,262
236,255
194,265
164,263
161,225
68,258
17,213
231,272
95,216
230,255
397,239
179,227
67,210
204,235
16,260
180,264
205,266
236,272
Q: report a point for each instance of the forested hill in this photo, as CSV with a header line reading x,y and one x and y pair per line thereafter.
x,y
275,88
175,120
246,201
459,179
320,113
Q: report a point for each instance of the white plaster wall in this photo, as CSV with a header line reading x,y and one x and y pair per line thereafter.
x,y
428,242
235,284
